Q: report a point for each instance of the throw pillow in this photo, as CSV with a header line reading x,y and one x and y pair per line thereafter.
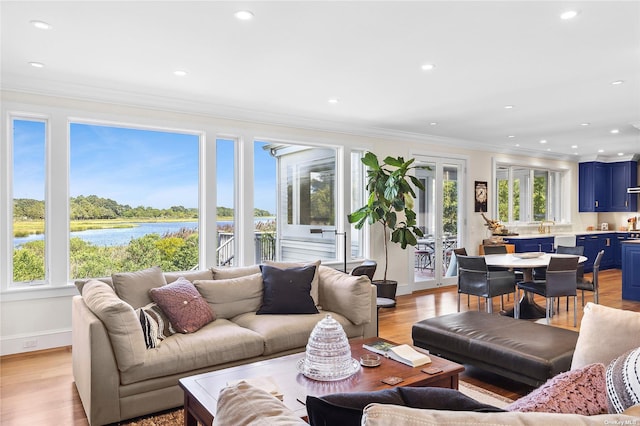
x,y
315,284
133,287
580,391
622,329
120,321
234,296
155,325
345,409
345,294
623,381
243,404
287,291
186,308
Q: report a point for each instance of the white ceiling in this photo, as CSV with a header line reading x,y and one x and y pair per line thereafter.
x,y
285,64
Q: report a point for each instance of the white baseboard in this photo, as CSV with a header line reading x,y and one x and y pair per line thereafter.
x,y
34,342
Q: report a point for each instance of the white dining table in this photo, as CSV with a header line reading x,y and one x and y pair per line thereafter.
x,y
528,308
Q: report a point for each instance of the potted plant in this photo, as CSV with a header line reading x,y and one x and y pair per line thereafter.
x,y
390,203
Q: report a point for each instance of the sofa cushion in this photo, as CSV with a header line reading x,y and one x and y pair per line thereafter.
x,y
314,283
393,415
243,404
133,287
579,391
287,291
121,323
217,343
205,274
623,381
621,329
234,296
282,333
155,324
346,294
226,272
186,308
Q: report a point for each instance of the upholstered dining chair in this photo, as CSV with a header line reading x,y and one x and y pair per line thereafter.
x,y
501,249
586,285
474,278
560,281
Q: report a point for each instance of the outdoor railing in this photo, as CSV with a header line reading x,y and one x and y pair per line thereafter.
x,y
265,247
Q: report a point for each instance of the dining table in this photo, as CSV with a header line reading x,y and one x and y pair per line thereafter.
x,y
526,262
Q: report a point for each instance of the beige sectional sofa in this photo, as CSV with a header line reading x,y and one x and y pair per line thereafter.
x,y
118,378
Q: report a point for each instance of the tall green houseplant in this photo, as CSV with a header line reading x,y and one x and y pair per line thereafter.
x,y
391,194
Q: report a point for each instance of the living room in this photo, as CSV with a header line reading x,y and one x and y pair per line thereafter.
x,y
90,76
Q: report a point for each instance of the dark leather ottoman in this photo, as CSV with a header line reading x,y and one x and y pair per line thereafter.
x,y
518,349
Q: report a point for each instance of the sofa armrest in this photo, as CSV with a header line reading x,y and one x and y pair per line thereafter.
x,y
95,371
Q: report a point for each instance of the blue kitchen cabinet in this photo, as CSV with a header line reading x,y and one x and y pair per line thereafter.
x,y
523,245
617,256
631,270
624,174
592,244
602,187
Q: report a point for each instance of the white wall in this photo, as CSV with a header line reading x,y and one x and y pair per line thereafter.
x,y
42,318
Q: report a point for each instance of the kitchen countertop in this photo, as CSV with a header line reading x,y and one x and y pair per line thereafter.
x,y
553,234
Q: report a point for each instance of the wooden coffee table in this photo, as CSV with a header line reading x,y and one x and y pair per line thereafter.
x,y
201,391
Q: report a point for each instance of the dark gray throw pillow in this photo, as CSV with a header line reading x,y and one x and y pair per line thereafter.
x,y
345,409
287,291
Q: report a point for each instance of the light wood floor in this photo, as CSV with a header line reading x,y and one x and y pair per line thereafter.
x,y
38,389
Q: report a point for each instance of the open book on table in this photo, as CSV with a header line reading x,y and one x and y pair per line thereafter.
x,y
401,353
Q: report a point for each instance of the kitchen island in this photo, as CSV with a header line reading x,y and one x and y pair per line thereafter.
x,y
631,269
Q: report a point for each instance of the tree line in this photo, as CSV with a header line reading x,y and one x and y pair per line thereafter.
x,y
93,207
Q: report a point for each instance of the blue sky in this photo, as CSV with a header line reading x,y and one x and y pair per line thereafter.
x,y
135,167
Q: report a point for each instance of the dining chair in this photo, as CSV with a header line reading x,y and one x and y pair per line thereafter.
x,y
560,281
576,251
501,249
474,278
586,285
368,268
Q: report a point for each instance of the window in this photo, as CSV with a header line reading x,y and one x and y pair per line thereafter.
x,y
528,195
264,202
29,139
225,192
134,200
358,199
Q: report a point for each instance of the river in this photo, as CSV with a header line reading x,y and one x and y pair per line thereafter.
x,y
122,236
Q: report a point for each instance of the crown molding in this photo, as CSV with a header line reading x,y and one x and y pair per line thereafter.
x,y
203,107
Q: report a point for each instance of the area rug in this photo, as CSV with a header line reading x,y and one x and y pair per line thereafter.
x,y
165,418
483,395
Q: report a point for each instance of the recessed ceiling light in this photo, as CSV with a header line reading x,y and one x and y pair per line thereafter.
x,y
574,146
601,150
617,82
621,153
244,15
180,73
41,25
585,124
569,14
548,149
427,67
614,131
334,100
543,141
36,64
433,123
508,106
517,144
511,136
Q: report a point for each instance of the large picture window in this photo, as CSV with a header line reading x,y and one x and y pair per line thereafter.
x,y
134,200
527,194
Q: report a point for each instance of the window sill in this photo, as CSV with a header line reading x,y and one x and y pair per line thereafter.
x,y
38,292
